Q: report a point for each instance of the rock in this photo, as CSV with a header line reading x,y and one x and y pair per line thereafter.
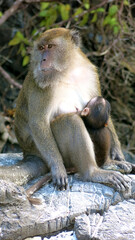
x,y
82,227
130,157
19,219
118,223
12,194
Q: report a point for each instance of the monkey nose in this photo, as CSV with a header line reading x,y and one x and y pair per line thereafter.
x,y
44,59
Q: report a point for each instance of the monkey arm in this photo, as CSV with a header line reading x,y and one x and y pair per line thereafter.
x,y
116,152
45,142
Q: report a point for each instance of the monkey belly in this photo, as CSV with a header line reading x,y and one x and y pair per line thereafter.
x,y
74,143
61,137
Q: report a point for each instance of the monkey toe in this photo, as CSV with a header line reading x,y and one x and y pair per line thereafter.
x,y
120,166
119,182
125,167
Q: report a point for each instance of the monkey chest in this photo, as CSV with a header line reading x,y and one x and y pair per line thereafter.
x,y
70,100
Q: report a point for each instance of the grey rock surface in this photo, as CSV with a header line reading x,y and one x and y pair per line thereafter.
x,y
82,227
19,219
118,223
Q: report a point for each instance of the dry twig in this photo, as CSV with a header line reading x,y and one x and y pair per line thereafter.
x,y
16,5
9,79
44,180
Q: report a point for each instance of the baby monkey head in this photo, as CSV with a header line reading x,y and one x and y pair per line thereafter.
x,y
96,113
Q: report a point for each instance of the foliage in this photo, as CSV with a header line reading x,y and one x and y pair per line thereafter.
x,y
107,30
55,14
23,42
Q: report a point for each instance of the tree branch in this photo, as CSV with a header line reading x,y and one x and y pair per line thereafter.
x,y
16,5
10,11
9,79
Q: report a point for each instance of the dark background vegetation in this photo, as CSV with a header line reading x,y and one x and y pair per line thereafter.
x,y
108,38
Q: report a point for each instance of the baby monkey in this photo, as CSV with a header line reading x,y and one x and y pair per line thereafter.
x,y
95,116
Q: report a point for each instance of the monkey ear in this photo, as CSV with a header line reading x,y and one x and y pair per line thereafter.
x,y
85,112
75,37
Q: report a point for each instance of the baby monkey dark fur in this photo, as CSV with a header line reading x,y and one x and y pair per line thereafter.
x,y
96,115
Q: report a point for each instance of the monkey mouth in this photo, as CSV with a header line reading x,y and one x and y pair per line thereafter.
x,y
47,69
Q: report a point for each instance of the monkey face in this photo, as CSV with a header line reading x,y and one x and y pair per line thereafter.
x,y
99,110
52,54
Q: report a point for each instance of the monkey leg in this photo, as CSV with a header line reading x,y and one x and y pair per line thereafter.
x,y
21,173
121,166
77,150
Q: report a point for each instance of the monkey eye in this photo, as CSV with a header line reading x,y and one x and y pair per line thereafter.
x,y
50,45
41,47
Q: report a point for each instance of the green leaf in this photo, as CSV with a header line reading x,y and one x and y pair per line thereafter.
x,y
26,60
18,38
34,31
78,11
94,19
1,14
113,21
116,29
43,13
25,40
64,11
19,35
14,41
22,49
93,11
87,5
84,20
42,23
51,17
113,10
106,20
100,10
126,2
44,5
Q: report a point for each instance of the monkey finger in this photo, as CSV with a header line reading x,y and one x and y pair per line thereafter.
x,y
63,183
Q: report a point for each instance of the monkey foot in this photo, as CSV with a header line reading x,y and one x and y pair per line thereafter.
x,y
121,166
111,178
118,181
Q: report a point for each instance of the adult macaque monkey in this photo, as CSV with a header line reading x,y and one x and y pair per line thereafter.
x,y
60,73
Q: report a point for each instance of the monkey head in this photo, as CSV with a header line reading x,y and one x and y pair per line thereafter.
x,y
52,55
96,112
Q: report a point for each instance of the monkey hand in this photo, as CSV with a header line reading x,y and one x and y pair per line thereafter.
x,y
116,153
59,177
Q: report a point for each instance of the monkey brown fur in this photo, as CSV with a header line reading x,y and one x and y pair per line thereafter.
x,y
95,116
60,72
